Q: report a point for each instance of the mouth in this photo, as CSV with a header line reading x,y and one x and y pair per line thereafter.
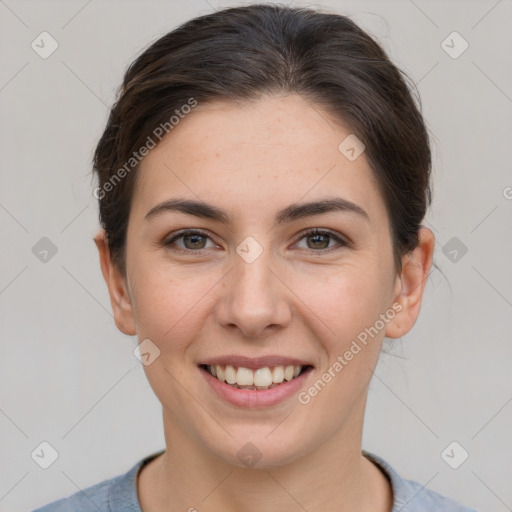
x,y
261,378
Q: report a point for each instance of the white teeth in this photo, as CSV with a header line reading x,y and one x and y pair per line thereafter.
x,y
221,375
245,377
278,374
230,374
262,378
288,372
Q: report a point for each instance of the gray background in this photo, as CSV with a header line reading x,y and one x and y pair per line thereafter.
x,y
70,378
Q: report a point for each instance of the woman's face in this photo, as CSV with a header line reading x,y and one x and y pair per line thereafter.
x,y
255,284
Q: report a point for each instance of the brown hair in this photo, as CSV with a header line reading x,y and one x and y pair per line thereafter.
x,y
241,53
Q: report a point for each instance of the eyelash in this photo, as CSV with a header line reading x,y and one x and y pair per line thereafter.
x,y
314,231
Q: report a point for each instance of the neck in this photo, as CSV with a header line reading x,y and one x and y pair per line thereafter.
x,y
334,476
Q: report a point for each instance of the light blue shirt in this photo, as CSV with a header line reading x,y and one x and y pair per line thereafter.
x,y
119,494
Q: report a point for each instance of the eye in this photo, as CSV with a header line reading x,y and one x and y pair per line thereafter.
x,y
193,239
321,239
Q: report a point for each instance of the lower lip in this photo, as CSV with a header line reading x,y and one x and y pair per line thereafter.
x,y
252,398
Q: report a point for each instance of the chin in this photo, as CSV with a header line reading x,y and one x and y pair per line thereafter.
x,y
258,451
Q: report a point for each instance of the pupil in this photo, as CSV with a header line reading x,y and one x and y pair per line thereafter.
x,y
195,237
317,237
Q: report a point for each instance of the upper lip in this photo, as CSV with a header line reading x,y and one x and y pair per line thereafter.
x,y
255,362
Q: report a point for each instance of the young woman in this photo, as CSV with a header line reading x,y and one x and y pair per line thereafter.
x,y
263,177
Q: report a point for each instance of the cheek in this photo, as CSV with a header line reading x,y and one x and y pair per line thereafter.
x,y
349,303
170,303
347,299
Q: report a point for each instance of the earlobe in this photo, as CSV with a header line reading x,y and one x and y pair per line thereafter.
x,y
411,284
120,299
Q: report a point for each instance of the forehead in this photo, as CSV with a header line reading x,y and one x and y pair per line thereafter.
x,y
256,157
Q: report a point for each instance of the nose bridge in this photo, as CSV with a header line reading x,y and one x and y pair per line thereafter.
x,y
254,297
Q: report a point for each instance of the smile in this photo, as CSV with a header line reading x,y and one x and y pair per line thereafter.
x,y
255,382
266,377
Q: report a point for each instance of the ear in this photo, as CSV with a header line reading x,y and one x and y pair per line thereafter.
x,y
411,284
117,289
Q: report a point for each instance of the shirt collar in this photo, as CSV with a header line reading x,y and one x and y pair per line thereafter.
x,y
123,492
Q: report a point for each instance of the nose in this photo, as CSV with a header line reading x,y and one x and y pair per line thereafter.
x,y
254,299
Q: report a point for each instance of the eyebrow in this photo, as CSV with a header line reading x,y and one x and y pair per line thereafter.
x,y
290,213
